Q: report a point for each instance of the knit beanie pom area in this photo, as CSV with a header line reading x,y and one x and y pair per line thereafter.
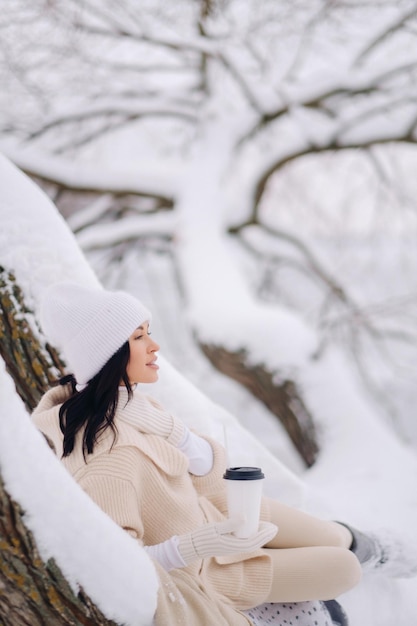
x,y
89,324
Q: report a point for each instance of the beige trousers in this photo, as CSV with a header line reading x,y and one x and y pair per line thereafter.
x,y
310,557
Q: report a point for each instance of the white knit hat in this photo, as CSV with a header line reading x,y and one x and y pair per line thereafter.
x,y
89,325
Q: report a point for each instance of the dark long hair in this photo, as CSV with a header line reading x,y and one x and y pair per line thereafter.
x,y
94,406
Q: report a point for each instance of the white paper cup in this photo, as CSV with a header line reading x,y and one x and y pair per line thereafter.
x,y
244,493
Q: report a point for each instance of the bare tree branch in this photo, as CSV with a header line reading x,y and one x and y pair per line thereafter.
x,y
387,31
131,111
334,144
374,111
99,11
280,395
320,98
175,43
248,92
312,263
306,39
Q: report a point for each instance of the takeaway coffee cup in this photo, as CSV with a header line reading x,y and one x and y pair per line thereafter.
x,y
244,492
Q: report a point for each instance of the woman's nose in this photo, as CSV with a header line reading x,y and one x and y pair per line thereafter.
x,y
154,347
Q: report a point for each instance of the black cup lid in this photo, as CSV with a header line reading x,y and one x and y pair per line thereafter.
x,y
243,473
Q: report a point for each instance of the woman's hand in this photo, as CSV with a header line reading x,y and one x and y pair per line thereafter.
x,y
215,539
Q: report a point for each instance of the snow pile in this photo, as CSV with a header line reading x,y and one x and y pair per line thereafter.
x,y
40,249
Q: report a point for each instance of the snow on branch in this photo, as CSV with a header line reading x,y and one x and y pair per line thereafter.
x,y
257,100
130,228
159,180
320,94
336,138
313,262
402,131
173,42
99,14
129,110
388,30
139,68
197,44
306,39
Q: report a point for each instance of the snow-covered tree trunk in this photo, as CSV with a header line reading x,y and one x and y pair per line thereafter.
x,y
32,592
215,289
62,561
33,366
281,397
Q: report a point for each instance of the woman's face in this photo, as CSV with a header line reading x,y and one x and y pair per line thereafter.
x,y
142,367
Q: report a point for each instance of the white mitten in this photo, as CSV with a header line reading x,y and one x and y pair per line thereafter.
x,y
149,417
215,540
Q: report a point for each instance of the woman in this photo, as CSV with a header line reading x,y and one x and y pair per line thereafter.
x,y
163,483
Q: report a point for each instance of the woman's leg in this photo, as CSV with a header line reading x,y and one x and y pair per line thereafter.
x,y
298,529
313,573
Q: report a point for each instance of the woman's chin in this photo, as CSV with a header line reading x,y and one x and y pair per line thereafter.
x,y
153,378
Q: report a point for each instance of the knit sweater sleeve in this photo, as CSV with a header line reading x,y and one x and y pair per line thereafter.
x,y
118,498
111,480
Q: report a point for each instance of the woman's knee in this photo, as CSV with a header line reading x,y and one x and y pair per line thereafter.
x,y
345,570
338,535
315,573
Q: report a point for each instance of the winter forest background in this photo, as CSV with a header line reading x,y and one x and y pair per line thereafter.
x,y
247,169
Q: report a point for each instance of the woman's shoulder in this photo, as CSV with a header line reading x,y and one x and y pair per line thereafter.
x,y
46,415
117,461
53,398
128,455
151,449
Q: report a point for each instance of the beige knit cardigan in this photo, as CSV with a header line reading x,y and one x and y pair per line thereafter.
x,y
142,482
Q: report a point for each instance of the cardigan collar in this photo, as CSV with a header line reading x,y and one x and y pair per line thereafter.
x,y
46,417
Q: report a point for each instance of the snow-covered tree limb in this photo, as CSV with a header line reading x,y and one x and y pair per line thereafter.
x,y
161,226
157,180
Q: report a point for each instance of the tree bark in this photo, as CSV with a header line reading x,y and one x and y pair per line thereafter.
x,y
33,365
32,593
281,397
